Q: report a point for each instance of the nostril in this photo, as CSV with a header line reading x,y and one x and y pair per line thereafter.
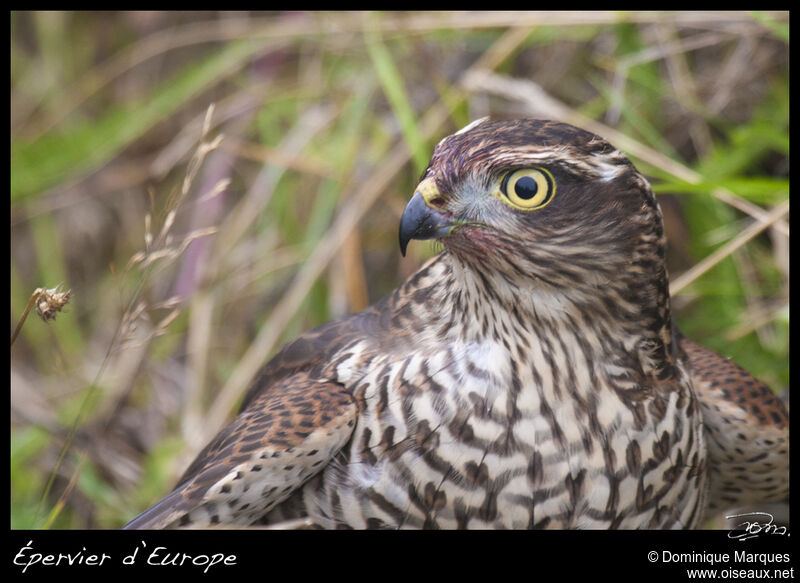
x,y
436,201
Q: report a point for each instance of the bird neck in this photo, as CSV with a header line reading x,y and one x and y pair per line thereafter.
x,y
629,316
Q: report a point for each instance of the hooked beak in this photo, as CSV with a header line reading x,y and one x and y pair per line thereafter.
x,y
420,220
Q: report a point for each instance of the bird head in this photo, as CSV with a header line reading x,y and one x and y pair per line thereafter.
x,y
542,203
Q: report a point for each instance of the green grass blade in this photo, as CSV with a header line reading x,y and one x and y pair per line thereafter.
x,y
393,87
86,145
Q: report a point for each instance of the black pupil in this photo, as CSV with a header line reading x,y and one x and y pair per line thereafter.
x,y
526,188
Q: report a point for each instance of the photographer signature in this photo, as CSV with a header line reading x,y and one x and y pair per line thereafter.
x,y
754,524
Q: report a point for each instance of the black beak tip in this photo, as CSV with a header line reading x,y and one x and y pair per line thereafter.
x,y
419,221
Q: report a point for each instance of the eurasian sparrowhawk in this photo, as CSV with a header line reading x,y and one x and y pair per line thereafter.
x,y
528,376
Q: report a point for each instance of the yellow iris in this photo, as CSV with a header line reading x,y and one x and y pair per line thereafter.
x,y
528,189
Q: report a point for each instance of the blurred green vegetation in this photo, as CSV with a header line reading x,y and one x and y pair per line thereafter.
x,y
111,400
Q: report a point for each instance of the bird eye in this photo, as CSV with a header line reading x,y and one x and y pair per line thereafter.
x,y
528,189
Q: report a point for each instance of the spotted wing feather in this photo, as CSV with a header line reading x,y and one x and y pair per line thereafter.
x,y
284,436
746,429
